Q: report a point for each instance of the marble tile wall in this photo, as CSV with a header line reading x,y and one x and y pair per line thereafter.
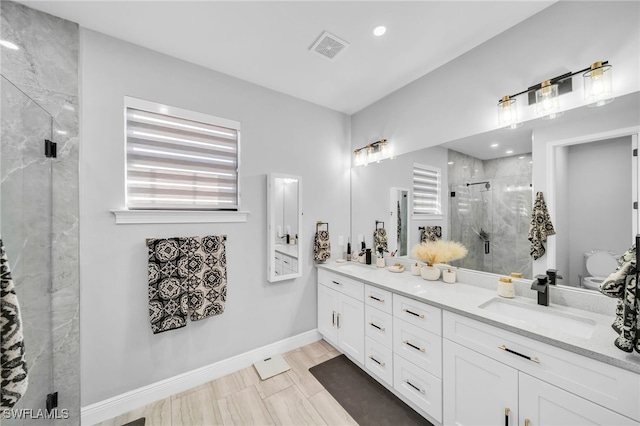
x,y
44,69
502,212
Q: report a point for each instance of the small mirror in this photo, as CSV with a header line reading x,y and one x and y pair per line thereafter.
x,y
284,216
399,213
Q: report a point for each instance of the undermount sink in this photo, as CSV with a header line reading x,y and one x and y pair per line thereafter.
x,y
542,316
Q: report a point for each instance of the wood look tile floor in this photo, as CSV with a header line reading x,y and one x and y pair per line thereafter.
x,y
242,398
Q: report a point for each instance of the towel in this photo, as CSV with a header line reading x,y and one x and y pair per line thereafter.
x,y
399,228
321,246
541,227
623,285
13,367
380,240
187,277
430,233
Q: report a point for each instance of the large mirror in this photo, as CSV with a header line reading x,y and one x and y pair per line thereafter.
x,y
489,181
284,217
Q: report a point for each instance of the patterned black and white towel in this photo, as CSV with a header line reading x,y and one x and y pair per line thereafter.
x,y
623,285
430,233
13,367
187,277
380,240
321,246
540,228
207,276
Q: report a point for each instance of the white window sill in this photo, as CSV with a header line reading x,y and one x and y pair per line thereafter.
x,y
124,216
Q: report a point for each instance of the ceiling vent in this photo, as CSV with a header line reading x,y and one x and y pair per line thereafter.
x,y
328,46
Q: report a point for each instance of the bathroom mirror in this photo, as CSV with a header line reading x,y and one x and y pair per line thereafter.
x,y
487,192
284,218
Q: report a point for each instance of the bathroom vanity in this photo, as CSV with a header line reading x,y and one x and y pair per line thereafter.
x,y
459,354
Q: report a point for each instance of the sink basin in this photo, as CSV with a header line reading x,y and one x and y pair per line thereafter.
x,y
542,316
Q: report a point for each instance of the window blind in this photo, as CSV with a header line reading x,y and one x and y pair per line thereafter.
x,y
179,164
426,190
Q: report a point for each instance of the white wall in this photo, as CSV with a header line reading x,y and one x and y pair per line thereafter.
x,y
599,200
279,133
459,99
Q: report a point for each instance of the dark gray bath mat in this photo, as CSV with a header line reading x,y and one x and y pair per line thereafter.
x,y
139,422
366,400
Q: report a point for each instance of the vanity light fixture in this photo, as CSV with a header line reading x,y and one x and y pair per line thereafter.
x,y
547,101
598,87
373,152
598,91
508,112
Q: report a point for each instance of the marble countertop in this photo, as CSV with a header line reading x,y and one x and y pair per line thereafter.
x,y
465,299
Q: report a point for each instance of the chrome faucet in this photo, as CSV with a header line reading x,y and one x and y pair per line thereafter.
x,y
541,285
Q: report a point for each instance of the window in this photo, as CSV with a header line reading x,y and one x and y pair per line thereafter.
x,y
427,182
179,159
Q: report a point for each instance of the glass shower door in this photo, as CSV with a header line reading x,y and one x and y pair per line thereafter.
x,y
25,229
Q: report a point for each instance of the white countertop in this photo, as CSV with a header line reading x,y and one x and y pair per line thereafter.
x,y
465,299
288,249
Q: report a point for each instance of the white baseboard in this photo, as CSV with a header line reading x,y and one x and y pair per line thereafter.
x,y
112,407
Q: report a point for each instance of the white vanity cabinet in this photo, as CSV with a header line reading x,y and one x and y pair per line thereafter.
x,y
341,313
417,354
488,370
378,330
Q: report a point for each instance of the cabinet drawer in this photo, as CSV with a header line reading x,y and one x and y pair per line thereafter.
x,y
381,299
378,360
418,386
417,313
419,346
378,326
342,284
604,384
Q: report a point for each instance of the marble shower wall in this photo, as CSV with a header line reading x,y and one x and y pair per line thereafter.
x,y
45,69
500,213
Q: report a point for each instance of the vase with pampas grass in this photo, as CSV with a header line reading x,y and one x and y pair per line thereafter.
x,y
434,252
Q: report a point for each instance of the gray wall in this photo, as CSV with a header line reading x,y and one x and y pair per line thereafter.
x,y
599,199
279,134
46,69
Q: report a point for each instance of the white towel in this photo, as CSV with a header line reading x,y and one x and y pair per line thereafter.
x,y
13,365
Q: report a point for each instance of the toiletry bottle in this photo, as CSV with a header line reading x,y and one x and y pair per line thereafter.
x,y
368,257
348,250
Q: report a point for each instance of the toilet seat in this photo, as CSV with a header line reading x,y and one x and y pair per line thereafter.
x,y
601,264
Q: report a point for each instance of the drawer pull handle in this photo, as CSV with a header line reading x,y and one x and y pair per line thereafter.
x,y
336,282
414,386
376,299
406,342
333,318
338,322
504,348
376,361
506,416
376,326
413,313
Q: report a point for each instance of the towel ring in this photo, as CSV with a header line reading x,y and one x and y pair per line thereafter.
x,y
320,223
379,222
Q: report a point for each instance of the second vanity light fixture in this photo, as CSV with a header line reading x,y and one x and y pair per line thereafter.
x,y
598,91
372,153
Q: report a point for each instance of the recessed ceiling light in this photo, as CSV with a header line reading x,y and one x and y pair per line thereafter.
x,y
510,152
494,145
521,158
450,162
379,30
8,45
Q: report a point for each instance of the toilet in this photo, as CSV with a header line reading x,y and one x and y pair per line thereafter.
x,y
599,264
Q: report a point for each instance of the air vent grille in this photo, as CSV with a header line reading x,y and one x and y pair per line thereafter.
x,y
328,46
